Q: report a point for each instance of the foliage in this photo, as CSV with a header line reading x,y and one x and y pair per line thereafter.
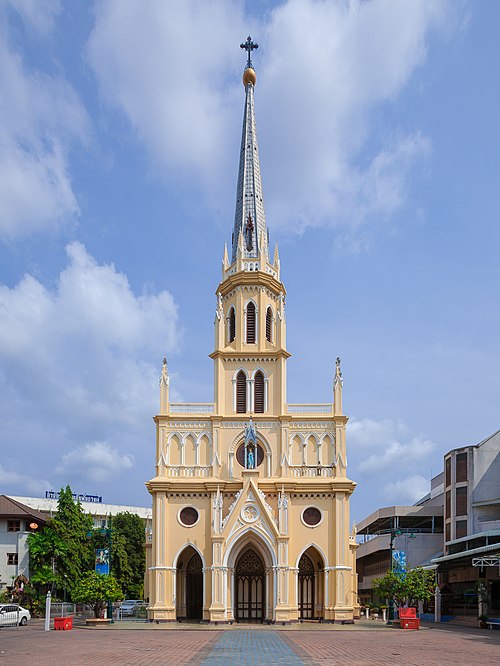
x,y
60,552
408,587
129,556
95,590
419,585
71,524
45,547
391,586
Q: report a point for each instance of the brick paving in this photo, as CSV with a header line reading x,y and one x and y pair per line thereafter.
x,y
248,646
397,647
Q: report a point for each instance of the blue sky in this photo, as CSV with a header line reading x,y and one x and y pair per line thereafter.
x,y
119,139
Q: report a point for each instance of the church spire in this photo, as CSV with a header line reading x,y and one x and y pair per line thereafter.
x,y
249,219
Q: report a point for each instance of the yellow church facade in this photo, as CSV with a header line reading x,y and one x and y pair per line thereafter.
x,y
251,495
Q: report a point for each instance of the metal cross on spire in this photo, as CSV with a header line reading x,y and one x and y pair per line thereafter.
x,y
249,46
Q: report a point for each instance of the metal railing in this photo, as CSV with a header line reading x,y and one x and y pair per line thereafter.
x,y
310,471
189,471
192,407
310,408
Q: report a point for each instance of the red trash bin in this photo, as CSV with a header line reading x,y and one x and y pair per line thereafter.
x,y
408,618
63,623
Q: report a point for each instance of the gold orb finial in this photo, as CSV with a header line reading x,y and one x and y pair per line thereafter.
x,y
249,76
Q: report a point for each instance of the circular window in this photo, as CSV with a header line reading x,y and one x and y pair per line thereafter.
x,y
188,516
240,454
311,516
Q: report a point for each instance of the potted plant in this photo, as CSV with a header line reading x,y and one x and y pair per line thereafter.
x,y
383,608
374,612
483,619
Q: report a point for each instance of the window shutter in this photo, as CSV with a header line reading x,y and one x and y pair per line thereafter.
x,y
241,392
461,501
250,323
232,325
259,393
269,322
461,467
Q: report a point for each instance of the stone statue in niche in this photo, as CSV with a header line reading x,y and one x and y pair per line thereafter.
x,y
250,446
249,233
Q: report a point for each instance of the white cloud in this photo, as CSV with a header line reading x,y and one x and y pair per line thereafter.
x,y
16,481
40,120
80,363
370,433
164,65
39,14
94,462
323,69
395,454
407,490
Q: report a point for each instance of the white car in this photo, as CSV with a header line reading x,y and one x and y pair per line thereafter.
x,y
12,614
130,606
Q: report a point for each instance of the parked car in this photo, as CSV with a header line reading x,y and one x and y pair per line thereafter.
x,y
12,614
130,606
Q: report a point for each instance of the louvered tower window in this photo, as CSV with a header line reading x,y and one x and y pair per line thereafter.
x,y
269,324
232,325
259,393
241,392
250,323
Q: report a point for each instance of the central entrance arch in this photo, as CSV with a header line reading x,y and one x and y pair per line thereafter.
x,y
250,588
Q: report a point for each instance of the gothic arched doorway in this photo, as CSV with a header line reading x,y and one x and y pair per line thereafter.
x,y
194,588
310,585
249,583
306,588
189,585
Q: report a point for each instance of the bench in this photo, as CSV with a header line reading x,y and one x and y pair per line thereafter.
x,y
491,624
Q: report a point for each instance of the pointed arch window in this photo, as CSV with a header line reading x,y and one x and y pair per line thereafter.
x,y
241,392
269,325
259,400
251,323
232,325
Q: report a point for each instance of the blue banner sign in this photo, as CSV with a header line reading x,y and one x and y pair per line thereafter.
x,y
102,560
399,561
96,499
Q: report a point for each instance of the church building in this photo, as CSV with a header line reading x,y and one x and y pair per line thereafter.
x,y
251,495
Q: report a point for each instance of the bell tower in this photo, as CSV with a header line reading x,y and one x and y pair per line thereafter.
x,y
250,327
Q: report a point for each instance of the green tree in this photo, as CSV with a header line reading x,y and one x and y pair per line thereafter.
x,y
72,525
45,548
419,584
129,555
95,590
391,586
60,552
409,587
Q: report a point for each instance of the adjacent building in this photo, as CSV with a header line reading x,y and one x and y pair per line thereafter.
x,y
471,526
413,533
251,494
455,529
17,521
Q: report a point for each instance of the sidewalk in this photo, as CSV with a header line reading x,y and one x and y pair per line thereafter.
x,y
307,645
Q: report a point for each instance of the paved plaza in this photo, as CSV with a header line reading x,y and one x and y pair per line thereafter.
x,y
152,645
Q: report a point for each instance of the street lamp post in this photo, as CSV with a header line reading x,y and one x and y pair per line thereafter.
x,y
394,533
108,532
